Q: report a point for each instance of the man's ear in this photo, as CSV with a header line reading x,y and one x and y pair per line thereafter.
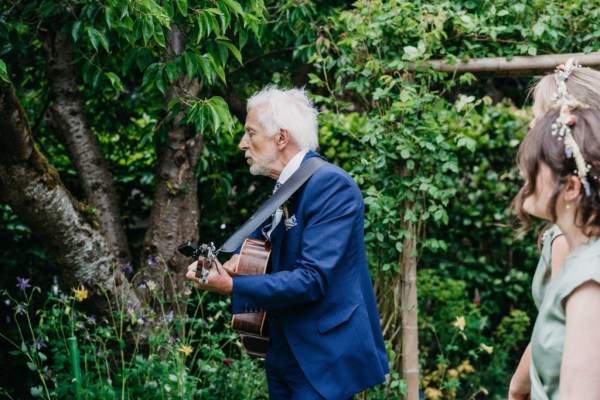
x,y
283,137
572,189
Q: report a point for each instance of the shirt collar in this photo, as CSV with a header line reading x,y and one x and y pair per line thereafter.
x,y
292,166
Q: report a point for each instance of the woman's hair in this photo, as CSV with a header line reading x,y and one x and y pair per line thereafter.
x,y
582,84
288,109
540,145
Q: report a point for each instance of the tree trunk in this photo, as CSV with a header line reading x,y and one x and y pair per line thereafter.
x,y
83,146
32,188
408,297
174,217
517,66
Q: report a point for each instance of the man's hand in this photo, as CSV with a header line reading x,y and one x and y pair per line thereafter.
x,y
218,280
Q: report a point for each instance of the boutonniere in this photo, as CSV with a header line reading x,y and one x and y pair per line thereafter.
x,y
290,222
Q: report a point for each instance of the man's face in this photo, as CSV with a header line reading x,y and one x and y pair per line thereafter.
x,y
260,149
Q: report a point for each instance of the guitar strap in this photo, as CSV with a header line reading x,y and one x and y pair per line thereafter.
x,y
307,168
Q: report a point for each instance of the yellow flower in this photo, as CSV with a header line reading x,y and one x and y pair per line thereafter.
x,y
460,323
453,373
81,293
466,366
486,348
185,349
433,394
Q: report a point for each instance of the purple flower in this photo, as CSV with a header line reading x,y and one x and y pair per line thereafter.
x,y
48,374
127,269
170,316
23,283
91,320
152,261
40,344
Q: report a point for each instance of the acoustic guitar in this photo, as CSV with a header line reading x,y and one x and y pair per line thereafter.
x,y
253,259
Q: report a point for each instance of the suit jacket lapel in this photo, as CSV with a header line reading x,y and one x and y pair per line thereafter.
x,y
276,240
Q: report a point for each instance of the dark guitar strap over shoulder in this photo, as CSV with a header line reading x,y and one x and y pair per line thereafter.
x,y
307,168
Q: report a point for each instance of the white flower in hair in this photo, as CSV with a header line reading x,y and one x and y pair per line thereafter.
x,y
562,127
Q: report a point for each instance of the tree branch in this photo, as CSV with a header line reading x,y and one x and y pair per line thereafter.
x,y
517,66
32,188
67,112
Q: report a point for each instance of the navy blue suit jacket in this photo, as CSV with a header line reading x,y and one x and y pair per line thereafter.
x,y
320,290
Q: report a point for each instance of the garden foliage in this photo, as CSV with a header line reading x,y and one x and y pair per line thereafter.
x,y
433,153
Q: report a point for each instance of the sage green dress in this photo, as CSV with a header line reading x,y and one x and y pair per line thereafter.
x,y
547,340
543,272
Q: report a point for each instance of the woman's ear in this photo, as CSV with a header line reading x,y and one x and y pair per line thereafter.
x,y
572,189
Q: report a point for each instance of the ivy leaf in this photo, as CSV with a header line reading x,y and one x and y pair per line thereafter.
x,y
539,28
411,53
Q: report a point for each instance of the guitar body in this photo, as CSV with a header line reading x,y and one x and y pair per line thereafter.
x,y
254,259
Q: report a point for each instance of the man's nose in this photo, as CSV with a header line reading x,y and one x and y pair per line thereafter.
x,y
243,143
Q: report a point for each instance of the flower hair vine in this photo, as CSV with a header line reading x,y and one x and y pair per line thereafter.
x,y
562,129
562,73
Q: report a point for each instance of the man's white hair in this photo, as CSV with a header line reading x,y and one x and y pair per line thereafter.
x,y
288,109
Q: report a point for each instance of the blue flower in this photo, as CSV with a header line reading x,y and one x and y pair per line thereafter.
x,y
23,283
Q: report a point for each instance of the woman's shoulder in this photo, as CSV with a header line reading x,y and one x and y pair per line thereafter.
x,y
582,266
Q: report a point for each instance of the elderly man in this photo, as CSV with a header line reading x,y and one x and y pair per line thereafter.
x,y
325,335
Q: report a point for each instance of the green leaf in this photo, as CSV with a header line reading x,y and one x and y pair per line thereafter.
x,y
3,72
97,37
539,28
216,119
233,50
147,29
150,74
37,391
411,53
205,62
75,31
234,6
202,27
110,17
182,6
161,82
160,37
191,63
171,71
115,81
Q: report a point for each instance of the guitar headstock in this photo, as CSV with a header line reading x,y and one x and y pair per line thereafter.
x,y
205,254
204,250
